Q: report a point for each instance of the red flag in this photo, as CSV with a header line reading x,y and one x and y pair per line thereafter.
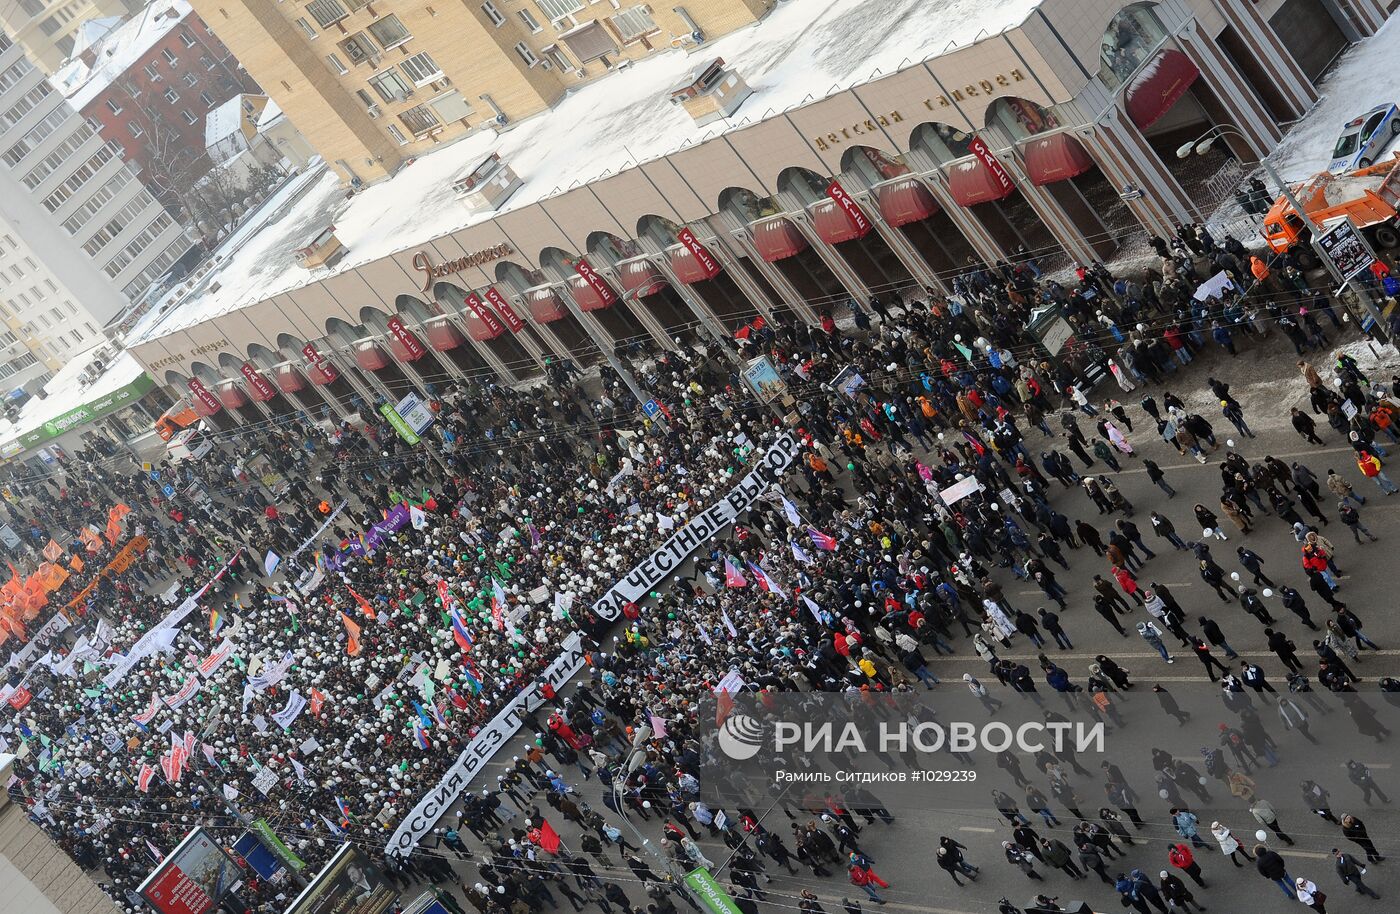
x,y
733,577
724,704
143,780
549,838
318,698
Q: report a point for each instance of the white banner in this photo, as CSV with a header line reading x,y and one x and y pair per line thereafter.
x,y
186,692
491,738
295,702
700,528
210,665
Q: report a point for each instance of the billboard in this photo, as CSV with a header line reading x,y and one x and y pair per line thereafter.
x,y
348,884
192,878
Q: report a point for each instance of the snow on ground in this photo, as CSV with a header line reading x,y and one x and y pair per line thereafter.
x,y
803,51
1364,77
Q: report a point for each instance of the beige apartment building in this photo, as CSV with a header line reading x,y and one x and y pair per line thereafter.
x,y
373,83
49,30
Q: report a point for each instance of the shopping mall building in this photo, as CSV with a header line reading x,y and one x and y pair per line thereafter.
x,y
1054,133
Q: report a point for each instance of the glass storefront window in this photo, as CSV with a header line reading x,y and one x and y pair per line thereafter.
x,y
659,230
1020,118
941,143
612,248
807,186
871,166
747,206
1133,35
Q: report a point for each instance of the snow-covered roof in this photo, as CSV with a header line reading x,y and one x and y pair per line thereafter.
x,y
118,50
269,116
223,130
1366,76
802,51
91,32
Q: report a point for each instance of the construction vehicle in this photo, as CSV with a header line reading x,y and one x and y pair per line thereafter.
x,y
1367,196
181,415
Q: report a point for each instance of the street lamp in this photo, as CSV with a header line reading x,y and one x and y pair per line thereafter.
x,y
1202,144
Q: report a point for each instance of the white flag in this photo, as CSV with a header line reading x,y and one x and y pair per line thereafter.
x,y
417,517
270,562
791,511
729,623
230,792
301,772
801,554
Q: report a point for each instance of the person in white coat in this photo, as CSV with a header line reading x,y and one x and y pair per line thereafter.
x,y
1228,845
1309,894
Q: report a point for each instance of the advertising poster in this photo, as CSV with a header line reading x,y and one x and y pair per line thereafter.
x,y
347,885
192,878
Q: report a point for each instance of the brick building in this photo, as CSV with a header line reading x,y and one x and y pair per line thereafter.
x,y
147,85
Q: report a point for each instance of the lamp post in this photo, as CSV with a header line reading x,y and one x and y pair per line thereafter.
x,y
1202,144
630,764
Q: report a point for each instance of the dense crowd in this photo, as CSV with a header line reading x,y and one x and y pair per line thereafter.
x,y
852,574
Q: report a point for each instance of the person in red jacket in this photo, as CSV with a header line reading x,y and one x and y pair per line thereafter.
x,y
1180,856
1370,466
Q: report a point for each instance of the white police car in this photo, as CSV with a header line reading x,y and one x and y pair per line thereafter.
x,y
1364,138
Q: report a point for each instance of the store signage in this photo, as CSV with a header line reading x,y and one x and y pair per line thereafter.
x,y
423,263
598,283
197,351
981,88
503,308
859,221
484,314
851,131
412,348
201,393
700,253
319,363
262,390
980,150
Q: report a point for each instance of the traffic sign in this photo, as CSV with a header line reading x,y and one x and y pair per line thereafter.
x,y
651,408
168,490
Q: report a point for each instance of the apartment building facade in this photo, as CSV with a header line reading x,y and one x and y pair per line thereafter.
x,y
372,83
47,29
80,236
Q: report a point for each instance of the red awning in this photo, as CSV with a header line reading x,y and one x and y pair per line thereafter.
x,y
687,268
230,396
777,239
289,380
205,409
545,306
641,277
833,225
1159,85
587,297
971,182
1057,157
442,334
904,201
370,356
402,345
477,328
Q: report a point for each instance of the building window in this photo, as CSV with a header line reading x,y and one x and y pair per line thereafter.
x,y
421,69
558,9
113,107
207,99
634,22
526,54
327,12
530,21
50,26
389,32
32,7
152,71
493,14
190,79
172,96
390,86
14,73
186,39
420,119
209,61
134,128
169,56
337,64
189,118
556,56
303,24
397,134
27,103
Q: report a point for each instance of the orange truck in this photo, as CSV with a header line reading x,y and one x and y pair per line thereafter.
x,y
1368,196
179,416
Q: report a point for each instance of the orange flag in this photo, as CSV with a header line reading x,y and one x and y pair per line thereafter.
x,y
76,564
361,602
52,551
352,631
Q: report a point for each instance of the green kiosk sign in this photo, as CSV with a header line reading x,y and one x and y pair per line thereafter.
x,y
88,412
405,430
275,844
710,892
